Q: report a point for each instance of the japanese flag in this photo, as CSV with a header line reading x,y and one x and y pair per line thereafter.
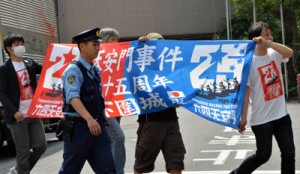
x,y
176,94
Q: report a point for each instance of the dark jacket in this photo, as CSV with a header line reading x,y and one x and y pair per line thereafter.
x,y
9,86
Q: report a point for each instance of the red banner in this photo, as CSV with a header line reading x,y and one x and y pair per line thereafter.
x,y
48,98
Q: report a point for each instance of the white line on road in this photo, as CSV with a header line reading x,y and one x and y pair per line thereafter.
x,y
223,155
225,172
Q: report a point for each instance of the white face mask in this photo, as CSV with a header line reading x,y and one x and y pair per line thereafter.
x,y
19,51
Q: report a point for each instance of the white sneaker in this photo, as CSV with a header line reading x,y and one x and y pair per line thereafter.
x,y
13,170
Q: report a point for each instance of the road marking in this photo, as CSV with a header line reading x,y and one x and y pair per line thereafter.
x,y
226,172
131,139
223,155
234,140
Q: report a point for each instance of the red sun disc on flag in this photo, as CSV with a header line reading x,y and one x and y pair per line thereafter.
x,y
175,94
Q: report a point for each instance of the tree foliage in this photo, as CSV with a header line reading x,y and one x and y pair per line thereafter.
x,y
269,11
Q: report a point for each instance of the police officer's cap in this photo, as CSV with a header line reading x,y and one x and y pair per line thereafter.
x,y
87,35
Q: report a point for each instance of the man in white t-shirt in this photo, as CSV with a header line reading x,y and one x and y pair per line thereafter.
x,y
17,85
268,112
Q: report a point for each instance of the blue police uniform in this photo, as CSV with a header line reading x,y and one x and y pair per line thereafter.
x,y
82,80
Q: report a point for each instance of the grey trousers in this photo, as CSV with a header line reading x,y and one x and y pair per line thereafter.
x,y
30,142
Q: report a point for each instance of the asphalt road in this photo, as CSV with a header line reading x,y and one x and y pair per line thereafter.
x,y
211,148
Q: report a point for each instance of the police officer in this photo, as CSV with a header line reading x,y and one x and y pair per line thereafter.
x,y
84,111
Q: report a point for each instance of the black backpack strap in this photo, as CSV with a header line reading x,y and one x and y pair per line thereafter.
x,y
96,77
80,66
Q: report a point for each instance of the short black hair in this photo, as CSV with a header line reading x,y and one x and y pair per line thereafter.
x,y
10,38
256,28
78,45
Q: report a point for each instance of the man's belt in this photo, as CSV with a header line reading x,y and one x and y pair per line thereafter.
x,y
80,119
74,118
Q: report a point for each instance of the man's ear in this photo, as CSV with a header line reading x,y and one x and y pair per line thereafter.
x,y
81,45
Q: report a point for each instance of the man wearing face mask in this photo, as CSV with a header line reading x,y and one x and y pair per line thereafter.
x,y
17,86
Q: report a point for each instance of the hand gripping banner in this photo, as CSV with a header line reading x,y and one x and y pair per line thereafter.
x,y
208,78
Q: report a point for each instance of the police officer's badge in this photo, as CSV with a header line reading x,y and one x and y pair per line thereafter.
x,y
98,33
71,79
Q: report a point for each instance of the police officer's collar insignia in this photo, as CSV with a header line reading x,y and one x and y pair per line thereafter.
x,y
71,79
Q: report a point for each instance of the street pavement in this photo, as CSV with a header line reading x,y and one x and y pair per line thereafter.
x,y
211,148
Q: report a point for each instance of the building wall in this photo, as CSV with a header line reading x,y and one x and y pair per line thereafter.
x,y
133,18
34,20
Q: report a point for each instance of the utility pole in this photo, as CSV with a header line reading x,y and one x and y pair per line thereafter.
x,y
254,12
227,20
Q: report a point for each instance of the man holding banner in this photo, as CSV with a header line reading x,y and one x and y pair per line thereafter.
x,y
159,131
269,115
111,35
86,138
